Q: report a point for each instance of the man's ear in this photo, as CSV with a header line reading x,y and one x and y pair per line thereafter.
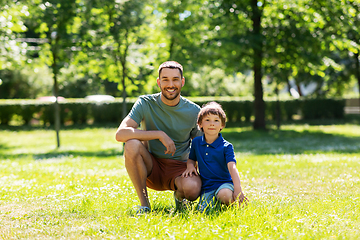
x,y
158,82
182,82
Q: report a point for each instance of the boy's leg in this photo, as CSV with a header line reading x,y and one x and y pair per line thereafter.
x,y
225,193
207,201
188,187
138,164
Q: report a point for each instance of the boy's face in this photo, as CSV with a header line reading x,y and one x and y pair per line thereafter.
x,y
211,124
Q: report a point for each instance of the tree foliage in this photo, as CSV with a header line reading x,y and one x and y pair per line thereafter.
x,y
12,52
116,45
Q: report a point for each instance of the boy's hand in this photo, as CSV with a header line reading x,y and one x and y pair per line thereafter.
x,y
189,172
240,197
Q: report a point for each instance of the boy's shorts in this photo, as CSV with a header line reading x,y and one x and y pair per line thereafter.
x,y
208,199
164,172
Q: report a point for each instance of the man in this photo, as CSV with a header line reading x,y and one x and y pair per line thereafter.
x,y
156,156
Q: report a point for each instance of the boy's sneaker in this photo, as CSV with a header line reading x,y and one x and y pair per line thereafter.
x,y
142,210
182,204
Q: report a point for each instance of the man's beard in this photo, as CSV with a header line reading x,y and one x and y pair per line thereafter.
x,y
170,97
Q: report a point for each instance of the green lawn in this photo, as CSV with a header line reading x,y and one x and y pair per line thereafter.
x,y
303,182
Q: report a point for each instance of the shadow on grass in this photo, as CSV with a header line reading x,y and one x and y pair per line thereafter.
x,y
170,211
50,128
60,154
348,119
290,142
244,139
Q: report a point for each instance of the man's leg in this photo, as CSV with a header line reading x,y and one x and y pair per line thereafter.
x,y
188,187
138,164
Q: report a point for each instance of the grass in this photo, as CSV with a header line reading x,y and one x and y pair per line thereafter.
x,y
302,181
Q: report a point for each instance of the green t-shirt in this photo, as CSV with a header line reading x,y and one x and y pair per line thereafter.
x,y
178,122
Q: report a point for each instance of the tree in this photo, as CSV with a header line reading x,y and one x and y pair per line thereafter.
x,y
293,45
240,37
112,32
55,20
279,38
345,33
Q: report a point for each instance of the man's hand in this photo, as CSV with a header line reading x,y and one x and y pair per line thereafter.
x,y
168,143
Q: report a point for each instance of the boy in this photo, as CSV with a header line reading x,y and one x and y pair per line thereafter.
x,y
216,161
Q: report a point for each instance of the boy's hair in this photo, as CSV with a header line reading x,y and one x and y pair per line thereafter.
x,y
212,108
171,64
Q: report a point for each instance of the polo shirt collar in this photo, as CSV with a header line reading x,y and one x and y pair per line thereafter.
x,y
215,144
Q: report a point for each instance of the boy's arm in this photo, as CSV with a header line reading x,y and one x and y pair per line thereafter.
x,y
238,193
191,168
128,130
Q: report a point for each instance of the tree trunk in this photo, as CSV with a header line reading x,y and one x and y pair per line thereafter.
x,y
299,89
124,72
57,111
56,94
124,95
278,110
288,85
259,103
357,70
171,48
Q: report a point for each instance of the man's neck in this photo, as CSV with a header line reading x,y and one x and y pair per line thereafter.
x,y
170,103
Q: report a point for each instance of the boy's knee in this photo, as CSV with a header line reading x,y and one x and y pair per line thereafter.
x,y
225,195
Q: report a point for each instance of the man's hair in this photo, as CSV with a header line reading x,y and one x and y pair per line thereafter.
x,y
171,64
212,108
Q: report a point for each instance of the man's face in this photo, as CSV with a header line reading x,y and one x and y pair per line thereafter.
x,y
170,83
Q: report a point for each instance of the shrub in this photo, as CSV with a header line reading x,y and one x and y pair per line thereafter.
x,y
80,111
322,108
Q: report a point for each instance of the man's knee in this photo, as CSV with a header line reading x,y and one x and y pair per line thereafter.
x,y
132,147
136,156
192,188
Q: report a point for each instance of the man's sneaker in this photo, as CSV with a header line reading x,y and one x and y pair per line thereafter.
x,y
182,204
142,210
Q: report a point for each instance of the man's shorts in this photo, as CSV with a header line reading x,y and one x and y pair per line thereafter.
x,y
164,172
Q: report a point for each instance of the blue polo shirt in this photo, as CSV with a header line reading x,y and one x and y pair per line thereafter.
x,y
212,161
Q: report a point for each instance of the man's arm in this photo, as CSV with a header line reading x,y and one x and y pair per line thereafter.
x,y
128,130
